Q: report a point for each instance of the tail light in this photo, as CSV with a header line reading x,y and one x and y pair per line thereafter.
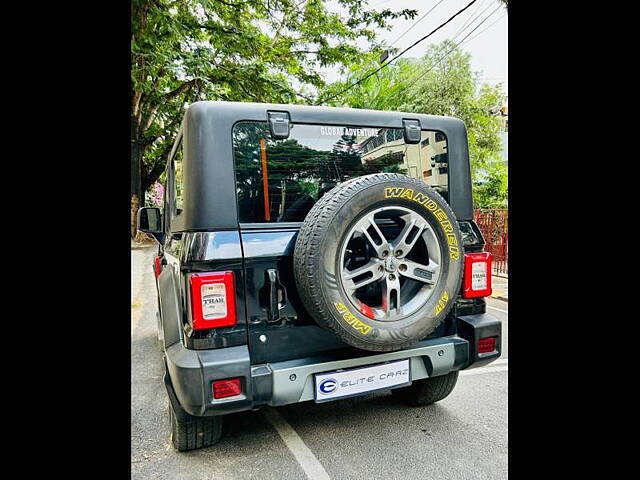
x,y
227,388
477,275
213,300
487,345
157,266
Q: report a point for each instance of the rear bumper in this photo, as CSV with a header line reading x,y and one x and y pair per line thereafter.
x,y
190,373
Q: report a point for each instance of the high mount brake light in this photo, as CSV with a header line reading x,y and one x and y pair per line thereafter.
x,y
477,275
213,300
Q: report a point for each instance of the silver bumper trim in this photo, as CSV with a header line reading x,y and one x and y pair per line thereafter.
x,y
428,358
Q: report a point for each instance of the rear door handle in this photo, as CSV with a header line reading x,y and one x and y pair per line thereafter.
x,y
274,304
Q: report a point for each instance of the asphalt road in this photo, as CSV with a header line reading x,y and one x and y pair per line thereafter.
x,y
371,437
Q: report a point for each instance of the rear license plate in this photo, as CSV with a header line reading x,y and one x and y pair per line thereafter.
x,y
357,381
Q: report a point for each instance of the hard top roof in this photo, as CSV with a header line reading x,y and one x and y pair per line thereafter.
x,y
209,172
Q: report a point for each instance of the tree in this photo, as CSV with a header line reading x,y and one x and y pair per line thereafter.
x,y
492,192
236,50
439,83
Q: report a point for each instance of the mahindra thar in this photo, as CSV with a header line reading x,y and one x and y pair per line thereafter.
x,y
315,253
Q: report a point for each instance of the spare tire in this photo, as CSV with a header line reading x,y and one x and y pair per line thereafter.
x,y
379,260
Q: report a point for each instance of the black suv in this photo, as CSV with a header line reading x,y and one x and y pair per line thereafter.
x,y
314,253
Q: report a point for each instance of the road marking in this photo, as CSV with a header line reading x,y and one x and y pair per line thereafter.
x,y
483,370
499,309
500,361
305,457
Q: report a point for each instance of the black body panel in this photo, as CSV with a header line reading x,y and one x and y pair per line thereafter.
x,y
291,332
212,252
474,327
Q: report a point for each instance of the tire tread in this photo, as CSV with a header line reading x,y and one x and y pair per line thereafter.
x,y
429,390
198,432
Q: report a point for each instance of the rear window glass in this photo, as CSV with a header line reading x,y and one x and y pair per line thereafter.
x,y
280,180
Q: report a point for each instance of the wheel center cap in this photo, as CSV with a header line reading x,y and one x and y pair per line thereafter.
x,y
391,264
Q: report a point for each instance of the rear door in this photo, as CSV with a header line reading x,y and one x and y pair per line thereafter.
x,y
278,181
279,326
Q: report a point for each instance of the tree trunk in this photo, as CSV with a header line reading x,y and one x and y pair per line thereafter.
x,y
137,195
135,204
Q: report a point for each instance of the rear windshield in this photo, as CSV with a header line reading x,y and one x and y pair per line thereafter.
x,y
280,180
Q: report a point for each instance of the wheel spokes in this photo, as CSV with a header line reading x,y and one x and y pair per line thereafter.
x,y
377,284
417,271
401,245
363,227
391,295
374,267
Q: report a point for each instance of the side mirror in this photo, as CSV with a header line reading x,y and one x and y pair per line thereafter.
x,y
150,221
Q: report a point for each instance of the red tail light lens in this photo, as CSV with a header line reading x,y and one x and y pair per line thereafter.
x,y
213,300
487,345
477,275
227,388
157,266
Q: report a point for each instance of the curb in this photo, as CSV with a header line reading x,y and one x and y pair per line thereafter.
x,y
138,246
500,294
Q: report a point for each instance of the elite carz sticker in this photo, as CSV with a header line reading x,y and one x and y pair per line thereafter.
x,y
348,383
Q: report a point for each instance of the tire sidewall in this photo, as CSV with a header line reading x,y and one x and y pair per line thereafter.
x,y
418,197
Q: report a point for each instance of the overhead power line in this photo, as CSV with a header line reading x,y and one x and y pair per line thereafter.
x,y
412,82
416,23
472,18
398,55
381,3
487,27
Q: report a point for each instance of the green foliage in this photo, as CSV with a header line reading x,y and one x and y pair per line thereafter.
x,y
492,193
235,50
439,83
274,51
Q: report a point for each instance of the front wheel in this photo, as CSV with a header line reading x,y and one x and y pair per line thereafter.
x,y
191,432
429,390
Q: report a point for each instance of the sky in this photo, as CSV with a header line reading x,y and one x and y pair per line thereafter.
x,y
488,50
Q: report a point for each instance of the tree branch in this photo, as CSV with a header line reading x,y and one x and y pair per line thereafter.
x,y
250,94
236,4
185,87
135,103
182,88
156,171
146,141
